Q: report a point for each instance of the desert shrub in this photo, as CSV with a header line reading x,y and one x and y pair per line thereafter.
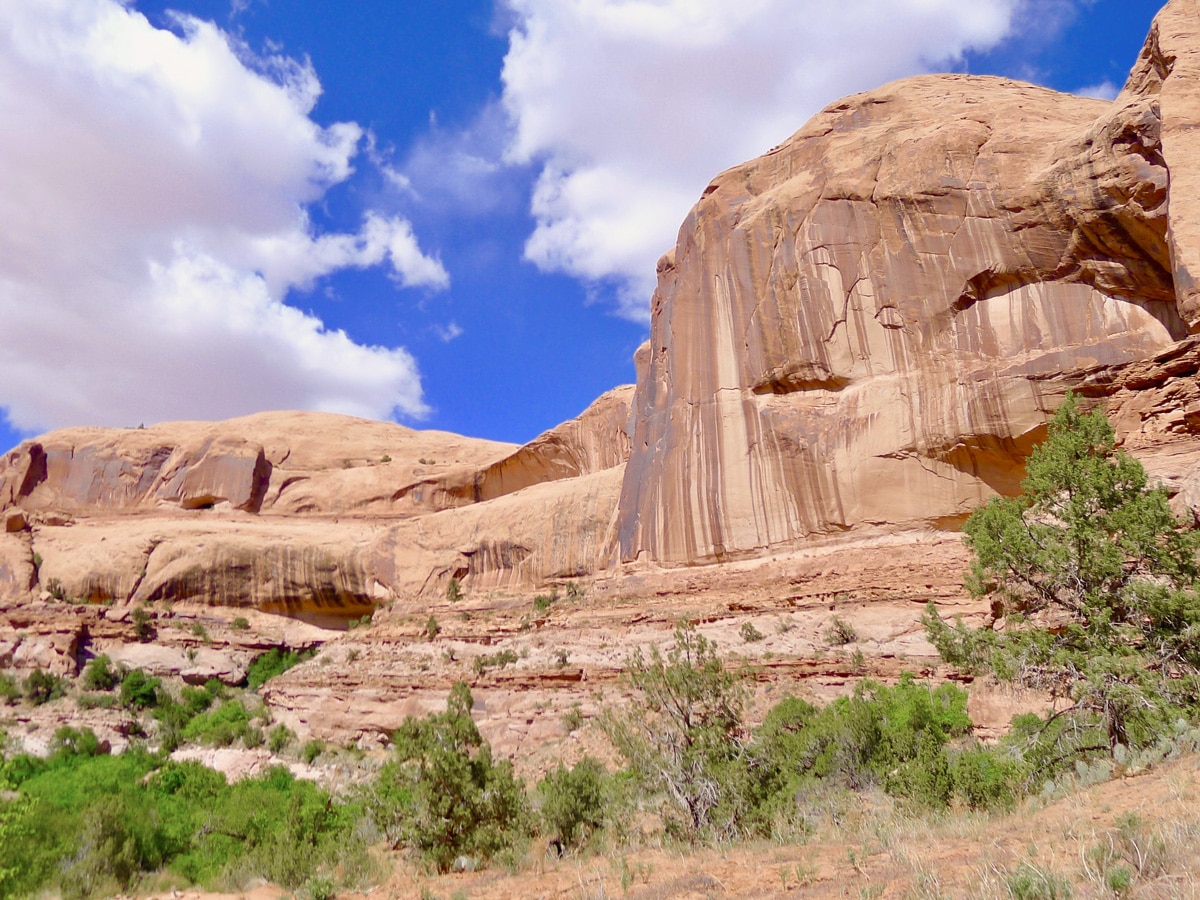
x,y
173,716
500,659
1030,882
96,701
100,674
839,632
750,634
686,742
312,749
543,602
987,778
143,625
42,687
68,741
279,737
274,662
96,825
139,690
10,691
241,623
220,727
443,795
573,802
432,629
454,591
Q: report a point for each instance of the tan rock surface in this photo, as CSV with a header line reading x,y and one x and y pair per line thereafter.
x,y
871,323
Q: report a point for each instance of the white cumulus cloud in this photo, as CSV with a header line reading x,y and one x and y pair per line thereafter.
x,y
153,195
629,107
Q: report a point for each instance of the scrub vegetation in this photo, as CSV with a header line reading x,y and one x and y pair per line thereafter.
x,y
1092,579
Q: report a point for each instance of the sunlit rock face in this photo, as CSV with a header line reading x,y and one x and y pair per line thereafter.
x,y
870,324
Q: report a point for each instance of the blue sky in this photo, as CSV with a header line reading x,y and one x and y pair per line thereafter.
x,y
445,212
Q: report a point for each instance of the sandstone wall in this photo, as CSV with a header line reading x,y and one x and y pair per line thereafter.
x,y
870,324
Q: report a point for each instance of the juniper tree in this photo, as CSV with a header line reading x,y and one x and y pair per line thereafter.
x,y
1094,593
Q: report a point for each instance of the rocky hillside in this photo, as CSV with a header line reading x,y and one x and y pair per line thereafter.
x,y
858,337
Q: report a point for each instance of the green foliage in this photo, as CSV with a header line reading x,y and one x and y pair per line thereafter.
x,y
573,801
70,741
1095,582
143,626
10,691
241,623
95,826
454,591
432,629
543,602
1030,882
96,701
500,659
42,687
220,727
174,716
443,795
279,737
750,634
839,632
274,662
312,749
685,743
139,691
99,674
900,738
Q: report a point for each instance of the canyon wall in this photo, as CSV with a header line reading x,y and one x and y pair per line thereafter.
x,y
870,324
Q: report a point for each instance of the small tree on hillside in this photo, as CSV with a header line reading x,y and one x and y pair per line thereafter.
x,y
685,736
1093,587
444,795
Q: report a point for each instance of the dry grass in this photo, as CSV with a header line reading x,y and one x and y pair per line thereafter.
x,y
1135,837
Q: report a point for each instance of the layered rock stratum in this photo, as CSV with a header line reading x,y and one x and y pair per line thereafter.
x,y
858,337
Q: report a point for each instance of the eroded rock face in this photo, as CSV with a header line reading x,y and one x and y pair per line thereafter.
x,y
871,324
313,516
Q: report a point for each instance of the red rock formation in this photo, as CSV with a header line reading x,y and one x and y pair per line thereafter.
x,y
870,324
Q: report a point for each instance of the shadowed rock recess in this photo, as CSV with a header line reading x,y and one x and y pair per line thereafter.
x,y
864,330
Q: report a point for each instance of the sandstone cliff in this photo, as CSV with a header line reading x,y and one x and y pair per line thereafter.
x,y
870,324
310,515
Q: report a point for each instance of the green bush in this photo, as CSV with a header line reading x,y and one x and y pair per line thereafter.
x,y
685,742
839,632
279,737
454,591
1096,584
143,625
221,727
443,795
70,741
573,802
274,662
86,826
750,634
42,687
499,659
139,690
100,675
10,692
241,623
